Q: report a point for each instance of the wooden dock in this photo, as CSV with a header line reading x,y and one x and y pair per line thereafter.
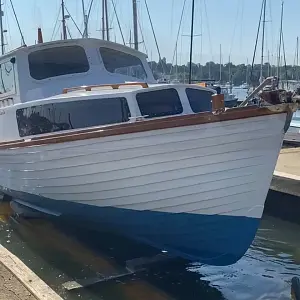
x,y
286,177
17,281
283,200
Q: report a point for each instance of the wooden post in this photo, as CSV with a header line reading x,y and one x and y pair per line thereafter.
x,y
218,103
40,36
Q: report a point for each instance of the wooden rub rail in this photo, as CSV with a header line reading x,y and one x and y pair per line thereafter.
x,y
115,86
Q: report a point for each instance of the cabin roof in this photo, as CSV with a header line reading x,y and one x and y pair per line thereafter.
x,y
80,41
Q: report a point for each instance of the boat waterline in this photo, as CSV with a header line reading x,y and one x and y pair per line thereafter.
x,y
211,239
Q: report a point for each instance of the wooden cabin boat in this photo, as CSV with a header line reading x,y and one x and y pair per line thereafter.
x,y
163,164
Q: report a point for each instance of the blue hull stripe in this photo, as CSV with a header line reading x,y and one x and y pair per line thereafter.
x,y
210,239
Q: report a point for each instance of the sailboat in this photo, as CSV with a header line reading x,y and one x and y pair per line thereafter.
x,y
245,86
91,137
293,133
230,99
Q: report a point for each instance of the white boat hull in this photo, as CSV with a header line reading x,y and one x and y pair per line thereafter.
x,y
198,191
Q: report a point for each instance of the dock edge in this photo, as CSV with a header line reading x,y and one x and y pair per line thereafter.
x,y
27,277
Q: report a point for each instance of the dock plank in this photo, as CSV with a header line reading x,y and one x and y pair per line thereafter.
x,y
288,163
286,177
11,288
26,276
283,199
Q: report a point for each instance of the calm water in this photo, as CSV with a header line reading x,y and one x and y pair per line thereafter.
x,y
60,252
240,93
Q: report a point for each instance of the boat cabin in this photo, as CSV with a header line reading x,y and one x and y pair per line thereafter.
x,y
114,85
93,106
44,70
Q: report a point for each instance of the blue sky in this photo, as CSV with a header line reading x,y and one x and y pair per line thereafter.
x,y
232,23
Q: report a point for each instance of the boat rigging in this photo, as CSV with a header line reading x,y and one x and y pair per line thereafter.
x,y
18,24
261,78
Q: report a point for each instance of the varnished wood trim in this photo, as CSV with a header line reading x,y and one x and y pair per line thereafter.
x,y
15,141
155,124
114,86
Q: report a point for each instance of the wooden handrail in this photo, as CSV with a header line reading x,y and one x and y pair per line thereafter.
x,y
114,86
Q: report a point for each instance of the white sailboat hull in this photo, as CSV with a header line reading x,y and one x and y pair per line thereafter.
x,y
198,191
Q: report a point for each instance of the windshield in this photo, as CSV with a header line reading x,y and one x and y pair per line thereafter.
x,y
122,63
58,61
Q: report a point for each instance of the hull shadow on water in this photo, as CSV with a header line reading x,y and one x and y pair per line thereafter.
x,y
68,252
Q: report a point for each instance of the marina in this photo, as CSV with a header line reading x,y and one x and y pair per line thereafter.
x,y
124,178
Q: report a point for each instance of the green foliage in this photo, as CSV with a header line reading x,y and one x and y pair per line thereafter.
x,y
240,73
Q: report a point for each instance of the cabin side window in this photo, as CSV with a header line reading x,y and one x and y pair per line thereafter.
x,y
159,103
54,117
57,61
200,100
7,77
122,63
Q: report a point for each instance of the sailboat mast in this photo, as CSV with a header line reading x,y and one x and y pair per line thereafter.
x,y
220,63
263,43
297,59
135,25
64,28
103,20
280,41
230,83
297,55
106,20
1,28
176,70
269,73
85,21
192,38
247,72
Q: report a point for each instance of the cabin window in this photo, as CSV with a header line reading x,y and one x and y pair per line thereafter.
x,y
69,115
122,63
200,100
159,103
7,78
57,61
